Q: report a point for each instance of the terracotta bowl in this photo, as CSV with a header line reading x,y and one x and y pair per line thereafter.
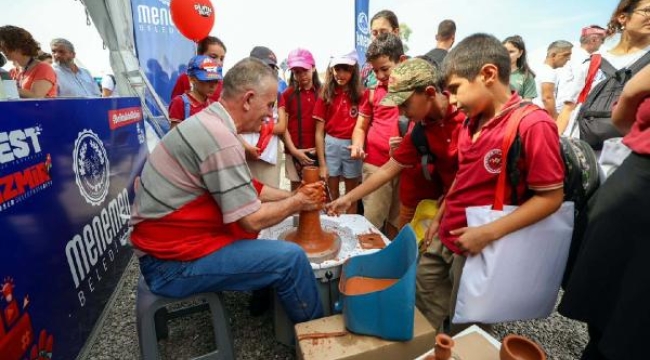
x,y
515,347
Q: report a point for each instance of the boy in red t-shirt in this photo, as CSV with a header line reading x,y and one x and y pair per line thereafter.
x,y
204,74
415,87
477,73
375,130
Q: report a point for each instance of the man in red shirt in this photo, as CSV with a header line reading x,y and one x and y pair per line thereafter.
x,y
477,73
415,87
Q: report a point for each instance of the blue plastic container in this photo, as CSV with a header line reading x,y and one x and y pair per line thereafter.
x,y
387,313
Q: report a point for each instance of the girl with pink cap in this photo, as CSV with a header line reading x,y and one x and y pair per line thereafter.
x,y
295,108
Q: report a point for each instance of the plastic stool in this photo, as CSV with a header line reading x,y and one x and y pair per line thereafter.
x,y
152,317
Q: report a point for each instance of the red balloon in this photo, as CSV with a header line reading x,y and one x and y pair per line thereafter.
x,y
193,18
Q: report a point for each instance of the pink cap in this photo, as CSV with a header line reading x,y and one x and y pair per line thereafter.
x,y
593,29
301,58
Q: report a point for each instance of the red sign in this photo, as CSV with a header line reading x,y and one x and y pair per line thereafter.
x,y
124,117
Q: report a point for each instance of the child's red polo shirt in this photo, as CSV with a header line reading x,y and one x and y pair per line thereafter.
x,y
340,116
383,125
177,106
541,165
442,137
290,104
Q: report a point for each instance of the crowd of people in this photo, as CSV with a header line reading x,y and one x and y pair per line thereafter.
x,y
396,131
39,74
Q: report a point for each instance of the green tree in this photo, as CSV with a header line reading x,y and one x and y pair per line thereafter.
x,y
405,33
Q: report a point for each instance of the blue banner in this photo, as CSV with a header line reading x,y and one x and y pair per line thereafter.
x,y
361,29
67,169
162,50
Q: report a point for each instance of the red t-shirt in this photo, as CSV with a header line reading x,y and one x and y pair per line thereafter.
x,y
340,116
479,166
191,222
414,187
442,137
183,85
177,106
638,139
40,71
290,104
383,125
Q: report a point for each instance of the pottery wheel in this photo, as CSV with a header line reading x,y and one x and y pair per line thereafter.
x,y
319,256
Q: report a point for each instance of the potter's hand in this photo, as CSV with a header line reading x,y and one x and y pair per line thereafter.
x,y
393,143
356,152
311,196
472,240
338,206
301,155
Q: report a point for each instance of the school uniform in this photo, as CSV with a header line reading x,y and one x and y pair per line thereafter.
x,y
302,130
479,165
442,139
339,117
382,205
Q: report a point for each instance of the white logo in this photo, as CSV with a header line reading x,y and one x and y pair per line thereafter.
x,y
91,167
362,23
492,161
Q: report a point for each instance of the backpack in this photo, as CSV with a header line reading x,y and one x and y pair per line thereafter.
x,y
581,171
186,106
595,115
419,139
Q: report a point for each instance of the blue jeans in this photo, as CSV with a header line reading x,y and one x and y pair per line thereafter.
x,y
241,266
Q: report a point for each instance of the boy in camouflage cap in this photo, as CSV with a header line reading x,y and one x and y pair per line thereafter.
x,y
416,87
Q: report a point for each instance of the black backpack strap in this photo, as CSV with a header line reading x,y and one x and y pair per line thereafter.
x,y
421,144
403,125
299,102
607,67
641,63
514,154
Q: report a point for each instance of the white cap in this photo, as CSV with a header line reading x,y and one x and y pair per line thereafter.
x,y
350,58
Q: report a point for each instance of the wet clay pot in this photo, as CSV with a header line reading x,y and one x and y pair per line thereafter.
x,y
310,235
515,347
444,343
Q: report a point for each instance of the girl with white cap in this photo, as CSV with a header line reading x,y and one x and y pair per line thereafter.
x,y
336,113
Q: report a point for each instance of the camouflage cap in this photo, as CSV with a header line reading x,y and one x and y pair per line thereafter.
x,y
406,78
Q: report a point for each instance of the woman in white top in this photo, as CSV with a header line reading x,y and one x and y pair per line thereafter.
x,y
631,19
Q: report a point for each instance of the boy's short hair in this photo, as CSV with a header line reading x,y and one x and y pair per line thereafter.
x,y
387,44
470,55
446,29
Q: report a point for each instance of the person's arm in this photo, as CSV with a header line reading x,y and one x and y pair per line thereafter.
x,y
281,126
564,116
384,174
548,98
307,198
636,89
270,193
320,148
473,240
38,90
106,92
359,137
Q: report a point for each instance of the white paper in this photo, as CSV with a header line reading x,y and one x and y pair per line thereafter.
x,y
270,153
611,157
10,89
518,276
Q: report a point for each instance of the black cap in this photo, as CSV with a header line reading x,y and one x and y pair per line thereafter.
x,y
266,55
